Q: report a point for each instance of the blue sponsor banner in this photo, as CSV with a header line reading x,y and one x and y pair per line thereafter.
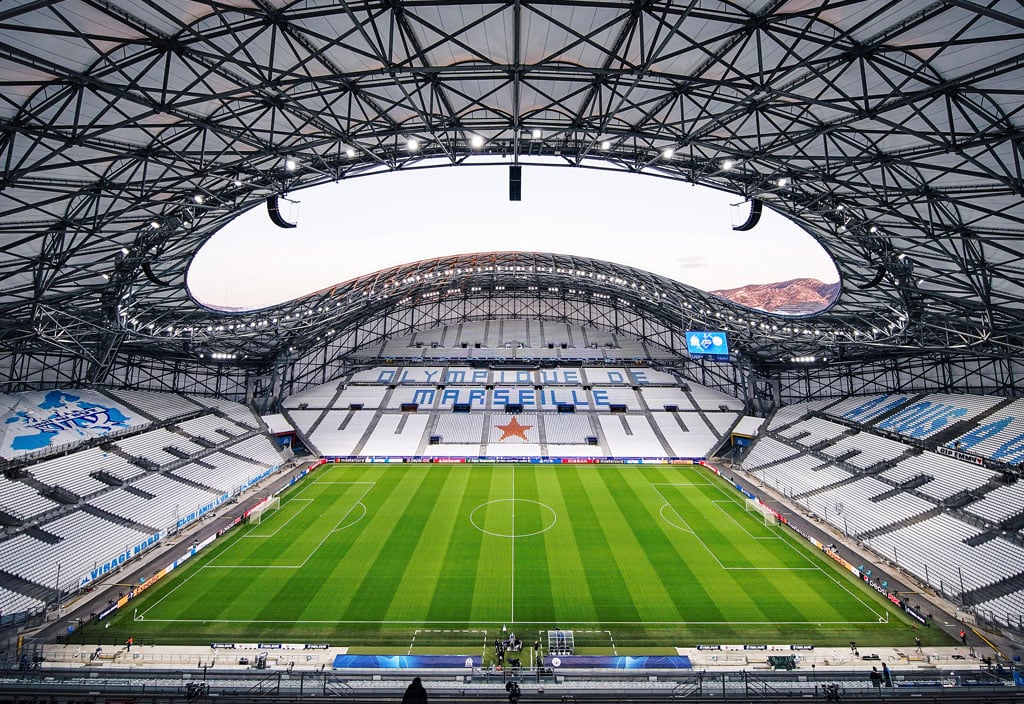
x,y
367,662
619,662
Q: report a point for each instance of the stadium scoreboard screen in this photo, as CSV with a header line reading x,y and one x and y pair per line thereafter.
x,y
709,344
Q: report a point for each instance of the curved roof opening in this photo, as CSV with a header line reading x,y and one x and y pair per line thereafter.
x,y
359,226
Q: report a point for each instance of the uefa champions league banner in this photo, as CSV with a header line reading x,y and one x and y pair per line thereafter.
x,y
618,662
391,662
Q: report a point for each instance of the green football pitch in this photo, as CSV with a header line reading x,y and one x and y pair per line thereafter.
x,y
382,556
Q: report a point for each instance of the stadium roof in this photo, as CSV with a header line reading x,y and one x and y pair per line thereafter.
x,y
130,130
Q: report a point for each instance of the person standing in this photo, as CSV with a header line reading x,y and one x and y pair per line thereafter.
x,y
415,693
963,637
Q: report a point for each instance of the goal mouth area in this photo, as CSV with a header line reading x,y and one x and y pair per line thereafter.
x,y
755,506
256,512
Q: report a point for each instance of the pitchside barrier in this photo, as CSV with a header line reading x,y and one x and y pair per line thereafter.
x,y
419,459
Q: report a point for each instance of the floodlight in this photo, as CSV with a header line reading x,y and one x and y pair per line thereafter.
x,y
606,145
412,145
350,153
476,141
290,165
536,134
783,182
667,154
198,198
728,164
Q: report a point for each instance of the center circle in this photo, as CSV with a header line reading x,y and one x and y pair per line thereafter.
x,y
513,518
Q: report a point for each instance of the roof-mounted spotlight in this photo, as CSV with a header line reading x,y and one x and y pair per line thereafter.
x,y
872,229
667,153
154,225
783,181
412,145
606,145
536,134
350,153
476,141
290,165
199,198
728,164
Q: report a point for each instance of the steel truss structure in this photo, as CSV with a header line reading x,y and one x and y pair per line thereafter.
x,y
131,130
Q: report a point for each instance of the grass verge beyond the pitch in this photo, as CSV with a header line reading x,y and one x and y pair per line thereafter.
x,y
392,557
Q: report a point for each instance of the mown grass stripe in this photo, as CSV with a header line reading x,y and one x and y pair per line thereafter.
x,y
609,588
669,549
535,578
457,578
492,591
419,581
397,539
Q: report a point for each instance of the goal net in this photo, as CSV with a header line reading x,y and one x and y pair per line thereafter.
x,y
271,504
755,506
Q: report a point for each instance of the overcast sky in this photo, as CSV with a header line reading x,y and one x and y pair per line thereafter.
x,y
362,225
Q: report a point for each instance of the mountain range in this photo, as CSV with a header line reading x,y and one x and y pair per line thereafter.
x,y
793,297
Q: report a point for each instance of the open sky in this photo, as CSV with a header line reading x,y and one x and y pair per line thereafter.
x,y
362,225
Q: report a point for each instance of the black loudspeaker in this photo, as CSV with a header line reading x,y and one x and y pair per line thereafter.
x,y
274,211
515,182
752,219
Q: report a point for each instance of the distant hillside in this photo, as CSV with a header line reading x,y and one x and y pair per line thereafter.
x,y
793,297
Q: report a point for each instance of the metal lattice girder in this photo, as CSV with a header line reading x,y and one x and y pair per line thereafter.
x,y
130,130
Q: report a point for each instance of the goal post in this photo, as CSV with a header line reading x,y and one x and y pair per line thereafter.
x,y
755,506
271,504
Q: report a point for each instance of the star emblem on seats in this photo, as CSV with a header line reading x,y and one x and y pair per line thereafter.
x,y
513,428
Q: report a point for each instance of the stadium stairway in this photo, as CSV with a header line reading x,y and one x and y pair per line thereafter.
x,y
113,449
960,427
41,535
542,435
372,425
875,532
995,590
107,478
484,434
421,447
14,583
700,412
912,483
893,411
299,433
602,439
827,487
114,518
130,406
662,440
327,407
193,483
